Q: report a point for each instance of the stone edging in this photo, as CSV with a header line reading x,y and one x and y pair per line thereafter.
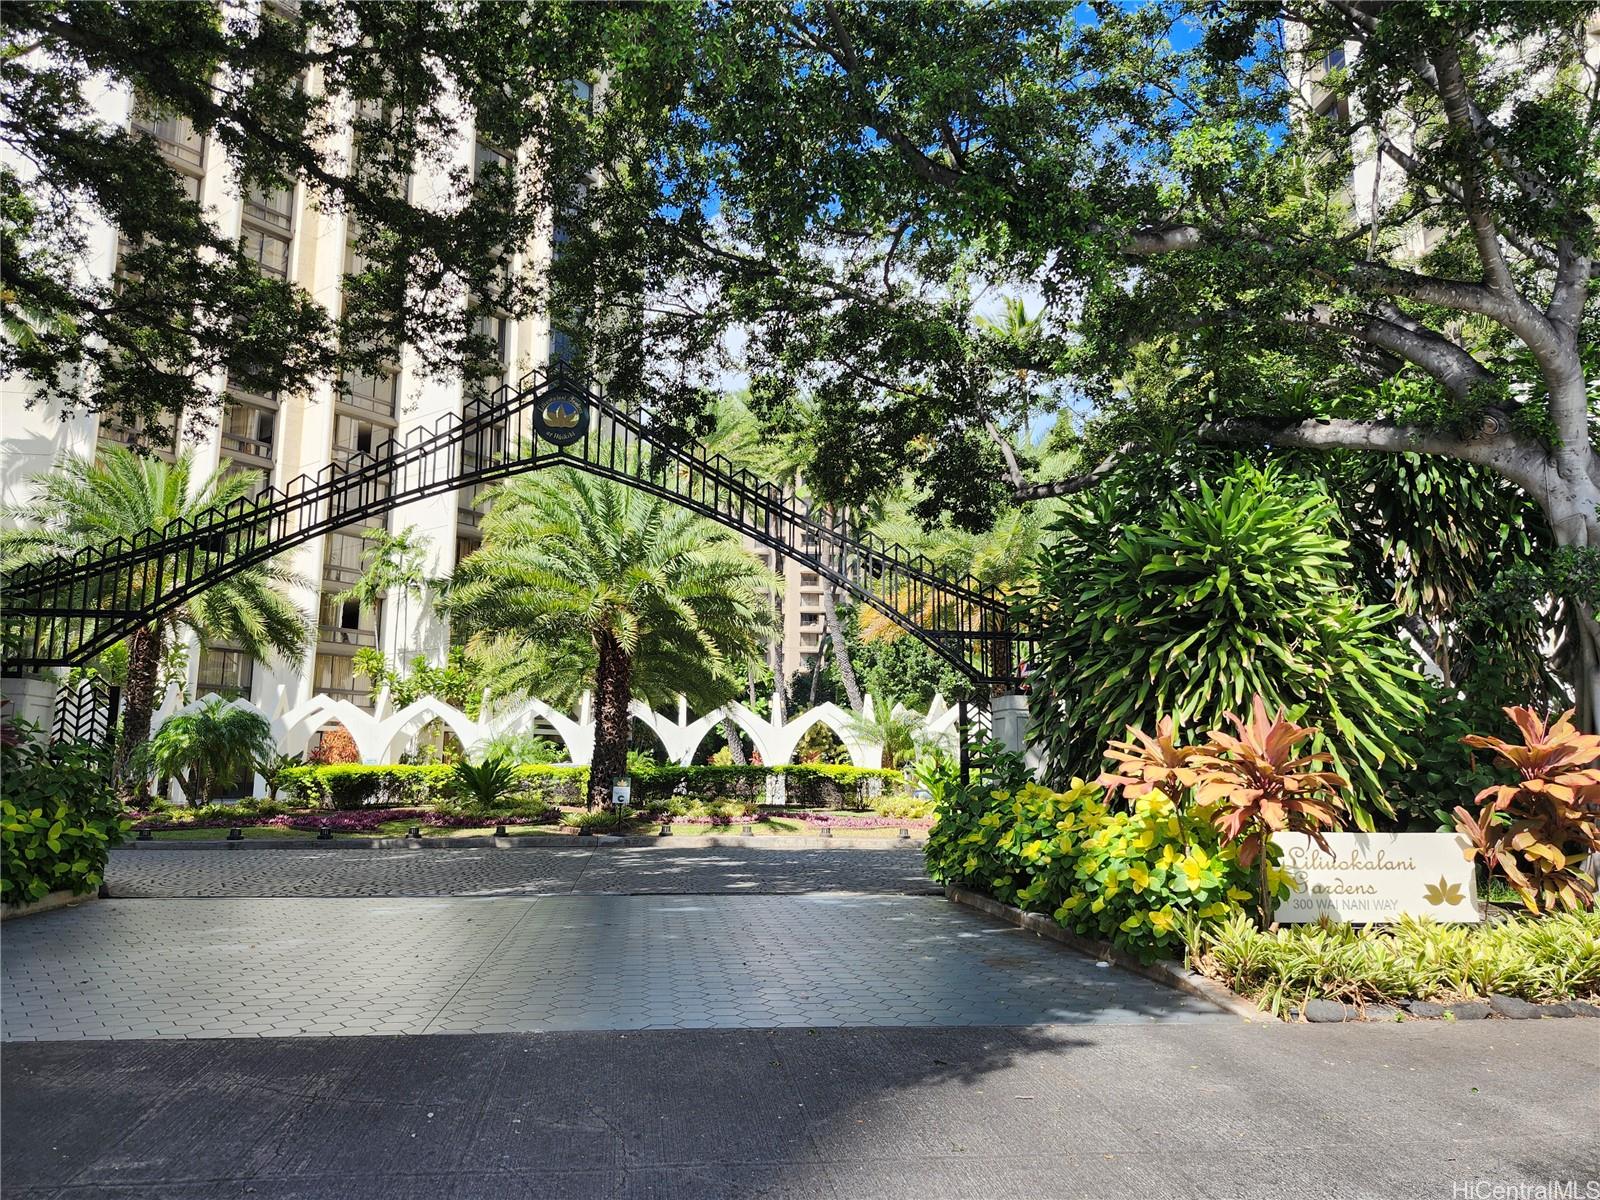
x,y
1168,974
46,903
532,842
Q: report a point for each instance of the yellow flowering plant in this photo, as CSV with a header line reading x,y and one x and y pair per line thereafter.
x,y
1140,877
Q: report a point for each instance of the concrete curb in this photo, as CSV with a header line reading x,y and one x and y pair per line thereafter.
x,y
46,903
532,842
1169,974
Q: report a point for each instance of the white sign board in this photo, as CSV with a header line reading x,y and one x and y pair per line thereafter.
x,y
1364,878
620,795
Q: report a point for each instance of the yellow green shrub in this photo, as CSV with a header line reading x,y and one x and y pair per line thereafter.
x,y
1139,878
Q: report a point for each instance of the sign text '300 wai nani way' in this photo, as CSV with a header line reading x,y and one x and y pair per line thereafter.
x,y
1363,878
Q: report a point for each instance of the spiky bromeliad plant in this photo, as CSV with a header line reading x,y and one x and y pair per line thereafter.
x,y
1537,830
1256,787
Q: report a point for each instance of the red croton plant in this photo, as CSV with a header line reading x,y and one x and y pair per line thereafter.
x,y
1258,787
1146,764
1538,830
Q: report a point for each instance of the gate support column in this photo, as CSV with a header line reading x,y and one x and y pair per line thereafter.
x,y
1008,721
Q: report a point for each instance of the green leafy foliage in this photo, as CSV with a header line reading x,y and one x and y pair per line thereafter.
x,y
1188,611
1139,877
208,748
58,816
355,785
1553,958
487,783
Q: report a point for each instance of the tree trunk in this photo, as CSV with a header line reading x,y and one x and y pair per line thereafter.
x,y
735,745
841,647
781,700
613,691
138,702
816,672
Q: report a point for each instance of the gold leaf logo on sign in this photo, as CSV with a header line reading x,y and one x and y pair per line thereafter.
x,y
1442,893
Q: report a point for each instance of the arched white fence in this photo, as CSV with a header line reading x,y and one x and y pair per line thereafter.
x,y
382,737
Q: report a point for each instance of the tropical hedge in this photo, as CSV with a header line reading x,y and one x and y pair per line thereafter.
x,y
349,786
1139,877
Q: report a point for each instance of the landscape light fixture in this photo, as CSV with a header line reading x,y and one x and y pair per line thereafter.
x,y
500,831
145,835
236,834
324,832
415,833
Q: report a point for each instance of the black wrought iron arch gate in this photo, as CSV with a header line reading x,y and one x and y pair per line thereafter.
x,y
65,611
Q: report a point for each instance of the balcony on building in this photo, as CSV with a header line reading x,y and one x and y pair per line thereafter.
x,y
344,556
272,208
248,433
176,137
345,623
158,437
333,675
369,395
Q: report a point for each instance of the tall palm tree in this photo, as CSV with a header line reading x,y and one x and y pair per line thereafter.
x,y
86,502
586,582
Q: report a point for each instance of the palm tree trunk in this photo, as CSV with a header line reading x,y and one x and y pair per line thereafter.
x,y
735,745
817,668
138,702
613,690
841,647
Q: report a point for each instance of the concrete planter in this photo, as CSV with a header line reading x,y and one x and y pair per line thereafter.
x,y
46,903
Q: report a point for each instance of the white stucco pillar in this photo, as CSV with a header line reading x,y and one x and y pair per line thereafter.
x,y
1008,721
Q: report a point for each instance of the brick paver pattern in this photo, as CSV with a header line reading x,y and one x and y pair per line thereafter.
x,y
315,871
287,967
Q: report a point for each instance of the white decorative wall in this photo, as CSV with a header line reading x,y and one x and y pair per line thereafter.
x,y
382,737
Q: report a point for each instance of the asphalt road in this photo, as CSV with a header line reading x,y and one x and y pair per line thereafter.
x,y
1216,1109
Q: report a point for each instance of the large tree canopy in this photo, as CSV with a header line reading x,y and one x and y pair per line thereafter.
x,y
843,184
826,195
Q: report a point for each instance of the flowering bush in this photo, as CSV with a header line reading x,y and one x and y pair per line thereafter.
x,y
1139,878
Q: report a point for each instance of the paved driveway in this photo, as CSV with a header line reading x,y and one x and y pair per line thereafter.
x,y
286,968
242,871
1219,1110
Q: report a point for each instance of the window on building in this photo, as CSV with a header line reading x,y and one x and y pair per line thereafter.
x,y
333,674
352,436
371,393
247,429
270,206
810,618
1333,108
226,672
174,135
269,251
1334,59
809,579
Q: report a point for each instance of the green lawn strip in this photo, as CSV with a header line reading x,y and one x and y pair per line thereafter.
x,y
214,833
